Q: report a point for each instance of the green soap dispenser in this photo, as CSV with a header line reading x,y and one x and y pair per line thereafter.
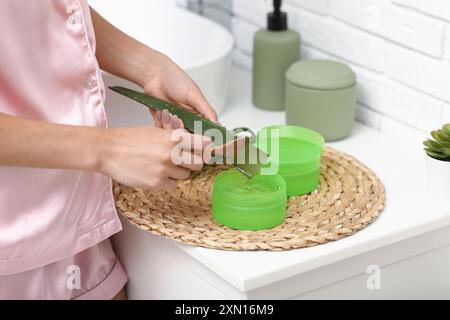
x,y
275,49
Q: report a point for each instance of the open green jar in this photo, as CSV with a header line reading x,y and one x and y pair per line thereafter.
x,y
249,204
296,153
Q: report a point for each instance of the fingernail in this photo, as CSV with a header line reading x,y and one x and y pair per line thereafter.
x,y
158,116
166,117
176,123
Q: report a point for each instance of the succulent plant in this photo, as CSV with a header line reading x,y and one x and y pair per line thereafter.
x,y
439,147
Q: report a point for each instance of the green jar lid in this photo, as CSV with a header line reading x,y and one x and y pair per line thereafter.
x,y
321,75
299,155
249,204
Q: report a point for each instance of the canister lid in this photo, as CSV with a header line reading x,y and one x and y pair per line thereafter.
x,y
321,74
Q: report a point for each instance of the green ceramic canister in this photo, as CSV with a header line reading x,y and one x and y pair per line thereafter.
x,y
249,204
321,95
296,152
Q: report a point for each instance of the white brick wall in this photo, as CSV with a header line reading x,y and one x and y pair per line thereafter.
x,y
400,50
387,97
446,114
369,117
245,30
424,74
251,10
318,6
436,8
311,53
339,39
447,44
405,27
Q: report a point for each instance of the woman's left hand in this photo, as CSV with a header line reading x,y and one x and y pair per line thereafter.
x,y
167,81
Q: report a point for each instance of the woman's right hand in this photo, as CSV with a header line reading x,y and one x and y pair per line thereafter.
x,y
144,157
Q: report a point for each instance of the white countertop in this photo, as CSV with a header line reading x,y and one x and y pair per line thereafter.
x,y
409,211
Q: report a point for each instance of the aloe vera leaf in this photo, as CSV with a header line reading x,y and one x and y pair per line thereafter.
x,y
189,119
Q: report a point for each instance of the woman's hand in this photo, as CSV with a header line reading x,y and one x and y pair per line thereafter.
x,y
145,157
141,157
167,81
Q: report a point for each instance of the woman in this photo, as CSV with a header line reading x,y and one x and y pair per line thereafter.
x,y
56,155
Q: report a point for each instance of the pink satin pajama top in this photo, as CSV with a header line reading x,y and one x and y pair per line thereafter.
x,y
48,72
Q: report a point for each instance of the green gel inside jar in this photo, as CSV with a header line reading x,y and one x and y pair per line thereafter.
x,y
249,204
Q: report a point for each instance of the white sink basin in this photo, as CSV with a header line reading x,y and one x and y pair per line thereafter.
x,y
199,46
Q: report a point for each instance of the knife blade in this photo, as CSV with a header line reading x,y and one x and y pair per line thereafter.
x,y
232,150
243,155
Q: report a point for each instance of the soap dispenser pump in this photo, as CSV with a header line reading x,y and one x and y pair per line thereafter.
x,y
275,49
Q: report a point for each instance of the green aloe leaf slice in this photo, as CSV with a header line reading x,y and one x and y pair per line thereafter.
x,y
208,128
189,119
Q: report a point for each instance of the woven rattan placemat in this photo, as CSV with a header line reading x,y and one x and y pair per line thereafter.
x,y
349,198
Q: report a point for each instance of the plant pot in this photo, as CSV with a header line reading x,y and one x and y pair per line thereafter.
x,y
438,178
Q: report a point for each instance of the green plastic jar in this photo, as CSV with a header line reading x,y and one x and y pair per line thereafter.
x,y
321,96
249,204
298,159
